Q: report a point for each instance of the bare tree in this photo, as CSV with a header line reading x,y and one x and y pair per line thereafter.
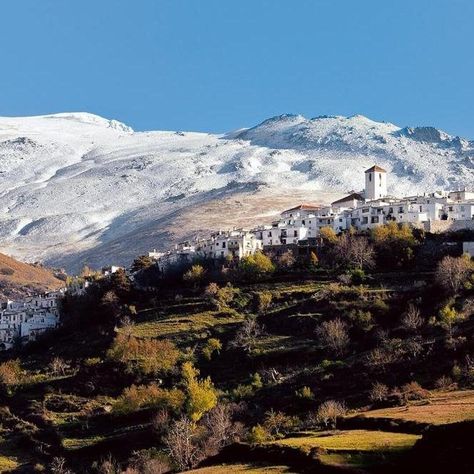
x,y
247,336
452,272
355,251
58,466
412,319
58,366
222,430
329,412
333,334
378,392
181,444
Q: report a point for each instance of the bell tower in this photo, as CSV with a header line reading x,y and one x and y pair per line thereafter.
x,y
375,183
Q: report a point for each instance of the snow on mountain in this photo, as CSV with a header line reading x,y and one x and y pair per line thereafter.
x,y
78,188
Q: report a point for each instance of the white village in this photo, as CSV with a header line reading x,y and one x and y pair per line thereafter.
x,y
298,230
299,227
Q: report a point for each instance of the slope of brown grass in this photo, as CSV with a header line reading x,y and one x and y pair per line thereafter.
x,y
17,277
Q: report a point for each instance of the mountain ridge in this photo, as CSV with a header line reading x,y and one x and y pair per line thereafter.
x,y
74,182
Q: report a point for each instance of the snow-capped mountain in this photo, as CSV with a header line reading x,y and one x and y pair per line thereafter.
x,y
77,188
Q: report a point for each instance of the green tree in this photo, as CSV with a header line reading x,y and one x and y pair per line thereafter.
x,y
141,263
195,274
256,265
201,394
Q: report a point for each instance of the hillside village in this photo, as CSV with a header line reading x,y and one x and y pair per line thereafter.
x,y
299,228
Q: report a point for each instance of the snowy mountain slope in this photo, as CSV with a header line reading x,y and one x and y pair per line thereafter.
x,y
78,188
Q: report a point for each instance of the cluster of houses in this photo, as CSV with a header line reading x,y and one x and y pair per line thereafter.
x,y
24,320
299,228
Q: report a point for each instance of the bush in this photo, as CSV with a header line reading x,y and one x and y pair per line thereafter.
x,y
277,424
11,373
305,393
149,396
379,392
258,434
7,271
195,274
212,345
264,301
452,272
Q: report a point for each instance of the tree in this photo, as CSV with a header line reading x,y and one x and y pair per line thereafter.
x,y
286,260
147,356
328,235
256,265
247,336
452,272
141,263
354,251
182,445
195,274
222,430
201,394
329,412
333,334
313,259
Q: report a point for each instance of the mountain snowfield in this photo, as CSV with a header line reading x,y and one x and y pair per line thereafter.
x,y
77,188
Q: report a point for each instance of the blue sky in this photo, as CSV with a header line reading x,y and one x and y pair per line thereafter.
x,y
217,65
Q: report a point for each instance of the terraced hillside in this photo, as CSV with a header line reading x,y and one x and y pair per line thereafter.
x,y
296,370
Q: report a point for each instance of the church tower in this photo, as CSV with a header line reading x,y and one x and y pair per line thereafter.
x,y
375,183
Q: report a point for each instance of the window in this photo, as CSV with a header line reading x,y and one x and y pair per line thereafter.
x,y
269,234
370,177
421,208
400,210
303,222
223,245
295,233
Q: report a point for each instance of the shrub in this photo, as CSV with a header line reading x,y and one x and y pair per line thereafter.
x,y
142,263
195,274
328,235
258,434
414,391
7,271
305,393
379,392
11,373
412,318
286,260
58,366
264,301
362,319
212,345
149,396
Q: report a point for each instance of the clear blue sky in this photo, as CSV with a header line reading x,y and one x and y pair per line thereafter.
x,y
217,65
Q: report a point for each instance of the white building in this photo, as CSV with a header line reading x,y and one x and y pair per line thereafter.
x,y
375,183
24,320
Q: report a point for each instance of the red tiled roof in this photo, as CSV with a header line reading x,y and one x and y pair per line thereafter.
x,y
376,168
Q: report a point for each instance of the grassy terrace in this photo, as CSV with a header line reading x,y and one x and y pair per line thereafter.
x,y
178,325
442,408
242,469
352,440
